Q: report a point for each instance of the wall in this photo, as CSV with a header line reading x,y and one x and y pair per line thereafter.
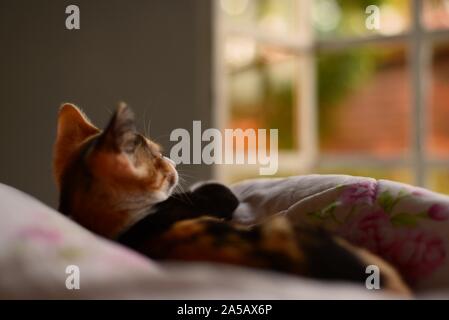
x,y
155,55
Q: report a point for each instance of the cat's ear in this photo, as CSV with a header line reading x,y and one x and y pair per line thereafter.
x,y
120,134
72,130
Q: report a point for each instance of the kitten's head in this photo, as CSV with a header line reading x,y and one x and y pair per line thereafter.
x,y
108,178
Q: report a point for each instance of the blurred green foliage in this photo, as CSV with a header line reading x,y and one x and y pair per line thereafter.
x,y
338,74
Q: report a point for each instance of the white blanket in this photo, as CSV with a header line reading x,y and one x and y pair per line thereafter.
x,y
37,244
406,225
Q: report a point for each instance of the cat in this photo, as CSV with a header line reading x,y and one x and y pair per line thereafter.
x,y
116,183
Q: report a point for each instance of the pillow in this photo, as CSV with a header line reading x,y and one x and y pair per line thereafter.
x,y
406,225
37,244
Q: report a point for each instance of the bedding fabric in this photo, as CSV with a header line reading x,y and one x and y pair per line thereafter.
x,y
37,244
406,225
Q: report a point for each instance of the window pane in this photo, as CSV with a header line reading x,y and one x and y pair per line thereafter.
x,y
439,180
274,16
439,102
235,176
404,175
343,18
262,89
397,174
364,101
436,14
239,12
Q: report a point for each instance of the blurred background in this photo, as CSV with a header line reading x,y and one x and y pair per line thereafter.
x,y
155,55
346,99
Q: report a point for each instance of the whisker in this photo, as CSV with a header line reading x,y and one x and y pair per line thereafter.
x,y
144,123
160,136
184,170
182,195
149,128
108,110
184,175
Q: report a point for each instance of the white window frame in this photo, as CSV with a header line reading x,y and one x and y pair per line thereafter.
x,y
419,41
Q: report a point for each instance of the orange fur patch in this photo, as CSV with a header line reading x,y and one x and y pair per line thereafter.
x,y
73,130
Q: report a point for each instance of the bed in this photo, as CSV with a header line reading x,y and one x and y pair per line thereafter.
x,y
406,225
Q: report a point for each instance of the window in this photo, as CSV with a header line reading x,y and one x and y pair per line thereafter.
x,y
346,99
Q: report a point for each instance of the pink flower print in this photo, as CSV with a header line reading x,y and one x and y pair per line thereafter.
x,y
416,254
40,233
418,192
438,212
371,230
359,193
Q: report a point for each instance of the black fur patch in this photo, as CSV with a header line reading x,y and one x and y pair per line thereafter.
x,y
211,199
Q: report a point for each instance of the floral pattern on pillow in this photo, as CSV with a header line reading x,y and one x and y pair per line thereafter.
x,y
395,224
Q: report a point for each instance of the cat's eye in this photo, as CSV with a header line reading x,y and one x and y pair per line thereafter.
x,y
131,144
155,151
129,147
157,155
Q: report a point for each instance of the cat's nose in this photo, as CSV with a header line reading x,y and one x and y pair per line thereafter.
x,y
171,161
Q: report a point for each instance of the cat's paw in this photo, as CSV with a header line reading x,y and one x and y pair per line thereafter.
x,y
215,200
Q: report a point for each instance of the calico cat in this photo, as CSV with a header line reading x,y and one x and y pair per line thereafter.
x,y
117,183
